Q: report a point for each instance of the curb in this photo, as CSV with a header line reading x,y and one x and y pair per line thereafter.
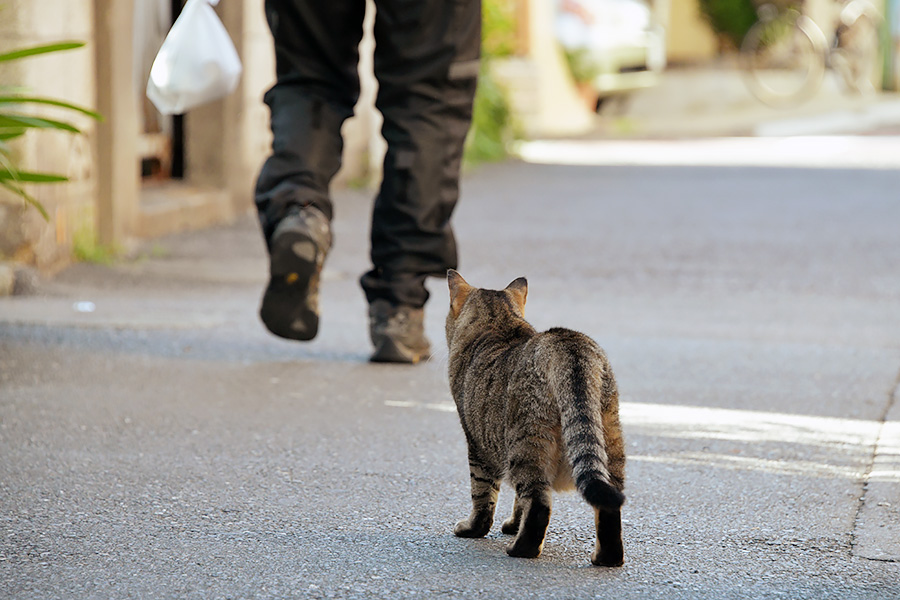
x,y
17,280
867,119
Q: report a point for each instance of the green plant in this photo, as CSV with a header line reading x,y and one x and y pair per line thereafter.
x,y
14,124
582,65
492,124
498,29
85,248
731,19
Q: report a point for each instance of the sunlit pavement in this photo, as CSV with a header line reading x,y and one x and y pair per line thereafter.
x,y
157,442
822,152
712,100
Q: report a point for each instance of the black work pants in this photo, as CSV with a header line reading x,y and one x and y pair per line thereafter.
x,y
426,63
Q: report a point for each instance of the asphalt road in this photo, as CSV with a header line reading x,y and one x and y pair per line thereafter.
x,y
156,442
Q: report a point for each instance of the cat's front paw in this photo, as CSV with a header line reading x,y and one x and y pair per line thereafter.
x,y
468,529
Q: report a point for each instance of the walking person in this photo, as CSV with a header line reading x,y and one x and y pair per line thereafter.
x,y
426,64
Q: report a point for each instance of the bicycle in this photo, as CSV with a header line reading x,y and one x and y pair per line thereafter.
x,y
785,54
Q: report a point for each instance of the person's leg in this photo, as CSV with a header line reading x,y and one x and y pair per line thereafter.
x,y
317,86
426,63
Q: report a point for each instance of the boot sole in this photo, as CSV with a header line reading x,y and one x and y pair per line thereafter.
x,y
293,264
390,351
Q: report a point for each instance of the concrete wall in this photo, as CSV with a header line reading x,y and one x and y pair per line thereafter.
x,y
24,235
259,75
689,37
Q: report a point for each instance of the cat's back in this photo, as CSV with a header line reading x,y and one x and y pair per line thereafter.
x,y
562,358
561,345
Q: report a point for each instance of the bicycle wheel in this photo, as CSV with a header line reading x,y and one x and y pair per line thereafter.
x,y
784,59
856,57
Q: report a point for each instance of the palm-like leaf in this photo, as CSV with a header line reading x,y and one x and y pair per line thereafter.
x,y
42,49
16,99
14,125
32,177
16,122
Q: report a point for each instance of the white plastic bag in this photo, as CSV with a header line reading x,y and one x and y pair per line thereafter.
x,y
197,62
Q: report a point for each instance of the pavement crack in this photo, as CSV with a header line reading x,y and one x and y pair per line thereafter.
x,y
878,512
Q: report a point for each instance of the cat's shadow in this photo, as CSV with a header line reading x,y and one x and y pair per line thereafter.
x,y
490,551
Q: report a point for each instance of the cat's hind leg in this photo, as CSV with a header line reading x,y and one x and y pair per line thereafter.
x,y
511,525
531,471
608,551
535,503
485,489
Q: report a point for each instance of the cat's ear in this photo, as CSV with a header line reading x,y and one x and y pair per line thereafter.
x,y
459,291
519,291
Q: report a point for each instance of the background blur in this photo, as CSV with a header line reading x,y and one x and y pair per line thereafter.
x,y
661,68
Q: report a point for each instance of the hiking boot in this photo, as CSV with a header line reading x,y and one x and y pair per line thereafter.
x,y
290,305
398,333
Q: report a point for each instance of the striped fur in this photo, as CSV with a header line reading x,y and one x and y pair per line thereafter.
x,y
540,411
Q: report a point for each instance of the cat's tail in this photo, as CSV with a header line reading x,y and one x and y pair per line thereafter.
x,y
588,403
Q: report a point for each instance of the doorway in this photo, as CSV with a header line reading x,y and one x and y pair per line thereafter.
x,y
161,138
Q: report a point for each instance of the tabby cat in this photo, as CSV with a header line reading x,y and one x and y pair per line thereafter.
x,y
539,410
